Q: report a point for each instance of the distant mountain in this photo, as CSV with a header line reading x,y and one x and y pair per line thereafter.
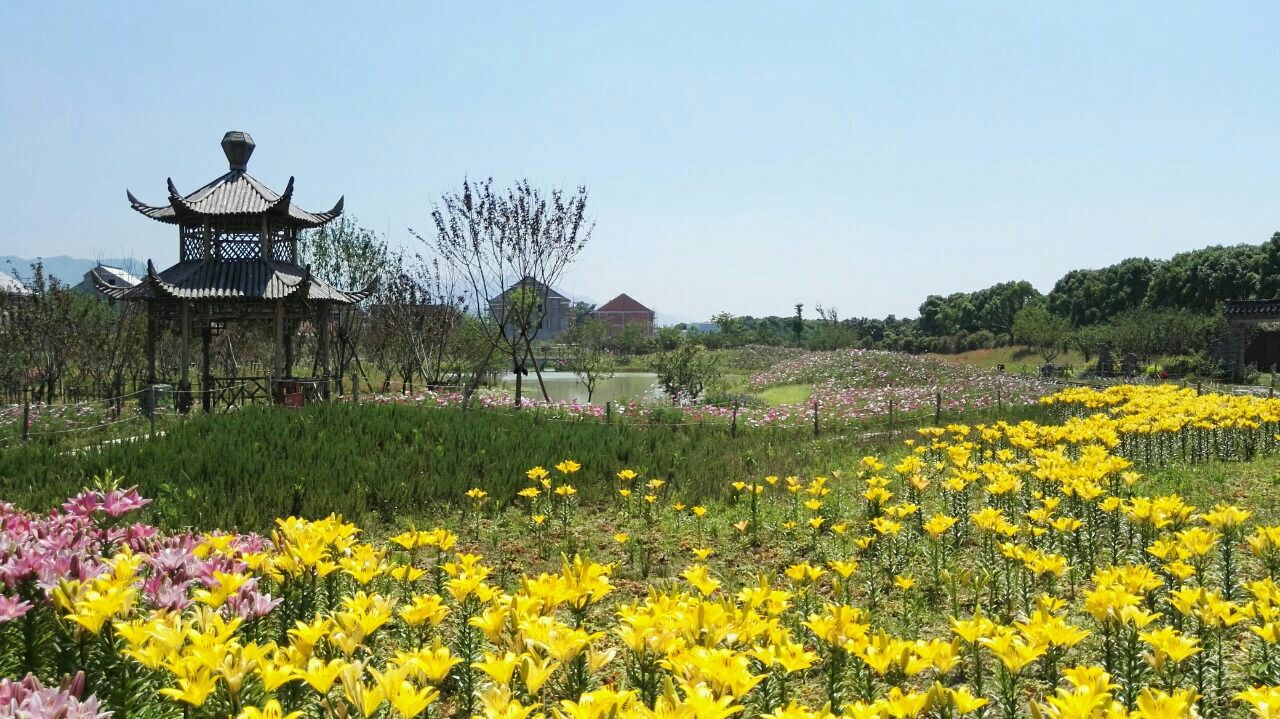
x,y
68,270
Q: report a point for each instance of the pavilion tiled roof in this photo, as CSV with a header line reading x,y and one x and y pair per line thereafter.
x,y
252,279
623,303
234,193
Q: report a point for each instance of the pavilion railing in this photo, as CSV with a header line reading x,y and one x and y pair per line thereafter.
x,y
225,393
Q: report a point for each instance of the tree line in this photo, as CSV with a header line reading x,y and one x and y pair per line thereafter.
x,y
1141,306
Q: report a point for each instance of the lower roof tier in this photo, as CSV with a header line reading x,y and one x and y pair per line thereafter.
x,y
249,279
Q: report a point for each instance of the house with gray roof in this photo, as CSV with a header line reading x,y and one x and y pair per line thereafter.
x,y
116,277
552,312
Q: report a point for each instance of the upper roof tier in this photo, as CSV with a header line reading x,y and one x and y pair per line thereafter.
x,y
236,193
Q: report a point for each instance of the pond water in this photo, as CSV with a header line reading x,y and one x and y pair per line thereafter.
x,y
566,387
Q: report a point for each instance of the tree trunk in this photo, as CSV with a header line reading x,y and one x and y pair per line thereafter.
x,y
474,382
538,371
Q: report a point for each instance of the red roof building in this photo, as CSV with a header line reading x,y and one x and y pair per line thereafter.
x,y
624,310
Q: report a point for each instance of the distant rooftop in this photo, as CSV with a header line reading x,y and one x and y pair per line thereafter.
x,y
9,285
116,276
623,303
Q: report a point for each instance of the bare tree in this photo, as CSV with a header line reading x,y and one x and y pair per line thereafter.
x,y
508,248
588,357
418,326
350,256
110,339
46,329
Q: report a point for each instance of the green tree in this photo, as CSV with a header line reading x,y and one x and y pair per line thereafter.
x,y
686,371
962,313
732,329
587,356
996,306
1269,269
582,312
633,339
1202,279
667,338
1164,332
1086,340
1041,330
1087,297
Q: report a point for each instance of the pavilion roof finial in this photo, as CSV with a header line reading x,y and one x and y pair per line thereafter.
x,y
238,147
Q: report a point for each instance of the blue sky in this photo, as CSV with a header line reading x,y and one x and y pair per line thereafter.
x,y
740,156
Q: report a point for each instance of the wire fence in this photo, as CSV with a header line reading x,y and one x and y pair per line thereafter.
x,y
733,418
101,417
32,421
732,422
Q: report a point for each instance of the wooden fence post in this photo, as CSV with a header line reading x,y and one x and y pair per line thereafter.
x,y
937,408
890,418
815,418
608,412
26,419
733,426
355,388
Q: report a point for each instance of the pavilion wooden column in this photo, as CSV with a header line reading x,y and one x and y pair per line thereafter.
x,y
152,330
184,384
322,348
291,328
277,360
206,370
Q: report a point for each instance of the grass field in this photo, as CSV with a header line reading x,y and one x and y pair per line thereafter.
x,y
375,462
785,394
1254,484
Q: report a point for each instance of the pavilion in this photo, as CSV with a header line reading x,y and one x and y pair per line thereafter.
x,y
238,262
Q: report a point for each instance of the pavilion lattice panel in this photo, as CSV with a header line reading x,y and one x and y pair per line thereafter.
x,y
238,246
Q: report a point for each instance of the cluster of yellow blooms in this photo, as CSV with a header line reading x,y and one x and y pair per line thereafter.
x,y
1002,570
1169,421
